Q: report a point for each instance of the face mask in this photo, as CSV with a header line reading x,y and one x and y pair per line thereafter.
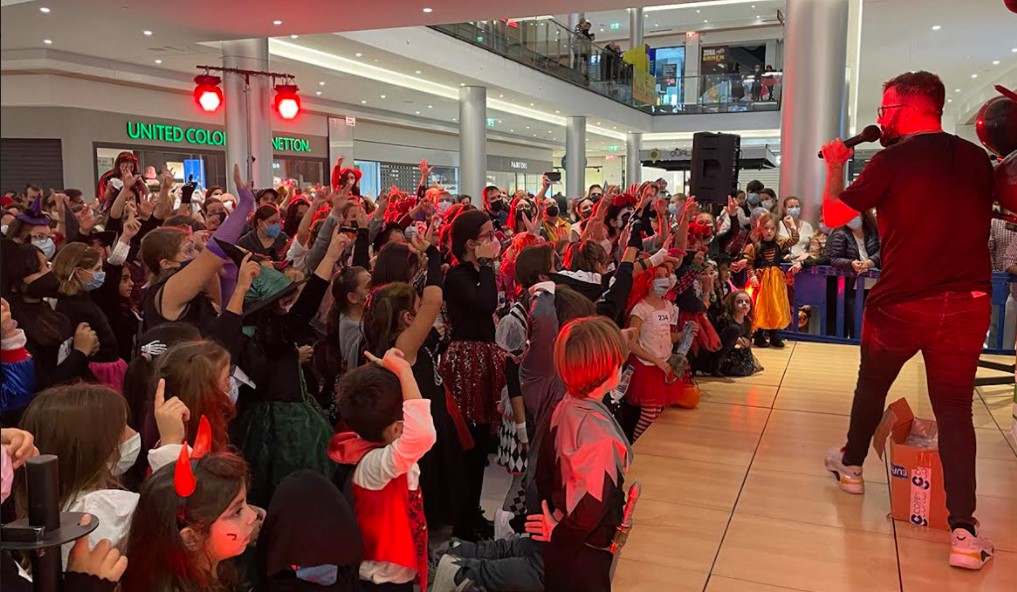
x,y
794,212
98,277
443,207
673,209
46,286
753,199
273,230
129,450
322,575
766,203
228,205
661,286
608,247
623,219
584,214
496,206
855,223
234,393
552,211
6,474
45,245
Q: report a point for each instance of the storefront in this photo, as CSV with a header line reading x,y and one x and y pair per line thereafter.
x,y
516,173
197,152
506,172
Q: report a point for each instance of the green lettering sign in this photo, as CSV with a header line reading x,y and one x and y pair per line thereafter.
x,y
174,134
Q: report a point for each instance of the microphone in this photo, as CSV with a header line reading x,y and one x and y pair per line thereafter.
x,y
871,133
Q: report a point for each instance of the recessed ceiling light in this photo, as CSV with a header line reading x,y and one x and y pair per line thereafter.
x,y
501,96
698,11
527,127
44,10
321,83
359,55
974,75
147,33
936,27
294,36
956,90
428,10
417,72
1013,50
417,112
531,104
550,132
363,101
277,23
48,41
598,123
656,24
705,21
462,84
512,131
995,62
382,96
158,61
430,106
317,92
949,100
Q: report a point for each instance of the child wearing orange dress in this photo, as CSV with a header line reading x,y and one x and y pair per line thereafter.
x,y
763,257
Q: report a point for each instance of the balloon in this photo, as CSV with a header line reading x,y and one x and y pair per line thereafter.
x,y
996,125
1006,179
1011,4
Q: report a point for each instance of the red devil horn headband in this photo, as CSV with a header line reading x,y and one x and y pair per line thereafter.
x,y
184,481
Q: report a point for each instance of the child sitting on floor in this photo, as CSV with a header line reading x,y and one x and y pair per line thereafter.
x,y
390,433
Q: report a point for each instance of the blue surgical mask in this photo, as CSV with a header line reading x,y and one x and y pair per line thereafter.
x,y
273,230
443,207
855,223
46,245
767,203
98,277
752,198
794,212
673,208
661,286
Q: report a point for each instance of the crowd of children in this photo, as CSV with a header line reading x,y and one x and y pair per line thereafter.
x,y
351,364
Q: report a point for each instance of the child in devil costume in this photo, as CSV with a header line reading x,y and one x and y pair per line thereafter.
x,y
392,429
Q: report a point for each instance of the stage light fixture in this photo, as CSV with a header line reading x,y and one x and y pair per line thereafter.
x,y
287,102
207,93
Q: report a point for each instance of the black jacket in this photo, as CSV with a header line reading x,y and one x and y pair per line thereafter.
x,y
841,248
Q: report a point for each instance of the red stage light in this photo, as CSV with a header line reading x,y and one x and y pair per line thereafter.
x,y
208,94
287,102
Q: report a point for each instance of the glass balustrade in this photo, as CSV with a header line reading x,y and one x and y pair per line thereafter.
x,y
548,46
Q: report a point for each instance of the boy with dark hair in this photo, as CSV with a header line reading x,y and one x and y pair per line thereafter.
x,y
391,430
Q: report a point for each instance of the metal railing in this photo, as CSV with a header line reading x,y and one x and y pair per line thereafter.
x,y
836,300
549,47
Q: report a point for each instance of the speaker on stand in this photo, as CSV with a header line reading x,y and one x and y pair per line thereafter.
x,y
715,162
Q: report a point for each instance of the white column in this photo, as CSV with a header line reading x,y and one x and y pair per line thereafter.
x,y
633,163
575,155
636,27
248,112
473,142
813,97
692,61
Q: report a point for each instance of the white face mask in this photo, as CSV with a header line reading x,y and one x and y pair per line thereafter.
x,y
3,229
129,450
234,393
606,243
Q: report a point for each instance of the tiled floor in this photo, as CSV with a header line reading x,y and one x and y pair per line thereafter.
x,y
735,497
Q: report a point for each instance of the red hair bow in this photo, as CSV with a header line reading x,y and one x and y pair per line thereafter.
x,y
624,199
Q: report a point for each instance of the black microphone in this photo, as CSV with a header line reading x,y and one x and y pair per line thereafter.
x,y
871,133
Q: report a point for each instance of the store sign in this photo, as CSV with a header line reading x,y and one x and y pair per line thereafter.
x,y
174,134
517,165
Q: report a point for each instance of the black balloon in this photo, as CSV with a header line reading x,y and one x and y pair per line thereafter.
x,y
996,125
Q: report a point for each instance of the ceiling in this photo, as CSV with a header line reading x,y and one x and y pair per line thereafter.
x,y
896,36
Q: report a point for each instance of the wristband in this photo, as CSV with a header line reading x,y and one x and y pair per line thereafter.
x,y
521,433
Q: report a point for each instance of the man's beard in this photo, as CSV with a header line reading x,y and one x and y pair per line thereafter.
x,y
890,135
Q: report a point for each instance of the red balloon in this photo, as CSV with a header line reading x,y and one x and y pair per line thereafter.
x,y
1011,4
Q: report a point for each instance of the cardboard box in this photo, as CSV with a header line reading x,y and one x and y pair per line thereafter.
x,y
916,474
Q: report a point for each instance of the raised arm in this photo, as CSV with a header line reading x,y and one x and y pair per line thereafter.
x,y
410,340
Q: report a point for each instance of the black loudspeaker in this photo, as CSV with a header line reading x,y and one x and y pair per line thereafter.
x,y
714,167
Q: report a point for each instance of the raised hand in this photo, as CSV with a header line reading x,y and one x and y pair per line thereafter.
x,y
394,361
171,416
545,182
425,169
248,271
732,206
131,229
238,179
530,224
166,179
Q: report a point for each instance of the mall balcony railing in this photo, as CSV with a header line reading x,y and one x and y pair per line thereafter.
x,y
828,304
549,47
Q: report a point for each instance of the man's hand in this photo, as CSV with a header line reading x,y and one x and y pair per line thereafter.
x,y
836,153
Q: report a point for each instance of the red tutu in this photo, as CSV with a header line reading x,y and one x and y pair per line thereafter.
x,y
707,337
648,388
110,374
474,372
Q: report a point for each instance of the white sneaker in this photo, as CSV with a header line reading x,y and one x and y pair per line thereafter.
x,y
502,525
849,478
968,551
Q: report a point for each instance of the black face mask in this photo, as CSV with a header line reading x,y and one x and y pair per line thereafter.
x,y
496,206
552,211
46,286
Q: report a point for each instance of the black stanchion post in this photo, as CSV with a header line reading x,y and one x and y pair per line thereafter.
x,y
44,511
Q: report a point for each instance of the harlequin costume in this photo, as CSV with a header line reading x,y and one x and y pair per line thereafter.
x,y
772,309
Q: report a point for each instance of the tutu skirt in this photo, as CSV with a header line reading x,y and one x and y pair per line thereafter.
x,y
474,372
772,311
110,374
647,388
